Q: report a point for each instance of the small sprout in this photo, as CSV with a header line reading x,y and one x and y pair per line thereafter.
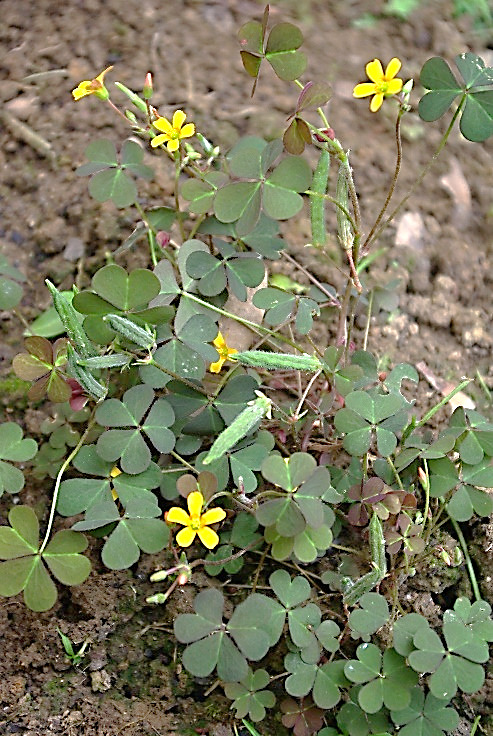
x,y
74,657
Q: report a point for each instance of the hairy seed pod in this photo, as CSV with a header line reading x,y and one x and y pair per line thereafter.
x,y
82,375
272,361
130,331
239,428
71,321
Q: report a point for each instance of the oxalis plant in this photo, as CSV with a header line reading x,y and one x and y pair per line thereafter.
x,y
201,420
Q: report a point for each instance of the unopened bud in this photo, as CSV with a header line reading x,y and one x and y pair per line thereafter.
x,y
322,136
147,88
423,478
163,238
183,578
444,555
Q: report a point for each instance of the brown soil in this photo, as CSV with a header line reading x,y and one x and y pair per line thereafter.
x,y
132,683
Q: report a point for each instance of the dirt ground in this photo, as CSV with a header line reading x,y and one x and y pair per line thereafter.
x,y
440,250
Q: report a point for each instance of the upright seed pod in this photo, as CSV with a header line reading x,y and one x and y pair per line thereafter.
x,y
71,321
317,199
344,229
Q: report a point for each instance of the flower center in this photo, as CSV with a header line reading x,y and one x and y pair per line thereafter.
x,y
382,86
195,523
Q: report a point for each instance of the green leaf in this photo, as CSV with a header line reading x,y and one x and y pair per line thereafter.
x,y
468,500
374,613
10,293
209,644
404,630
389,679
128,444
425,717
250,699
281,51
291,593
24,568
122,549
476,123
15,449
288,473
437,77
126,291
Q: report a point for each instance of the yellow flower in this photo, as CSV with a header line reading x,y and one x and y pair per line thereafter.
x,y
195,522
92,87
224,353
172,133
382,84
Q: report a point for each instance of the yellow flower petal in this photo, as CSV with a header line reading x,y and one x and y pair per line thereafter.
x,y
394,86
187,131
185,537
364,89
179,118
195,501
176,515
82,90
173,145
163,125
392,68
100,77
376,103
212,516
374,70
208,537
219,341
216,367
159,139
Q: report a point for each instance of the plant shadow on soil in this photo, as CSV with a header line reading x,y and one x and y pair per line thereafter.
x,y
131,682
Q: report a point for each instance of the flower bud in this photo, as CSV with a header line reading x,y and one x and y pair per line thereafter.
x,y
163,238
147,89
324,134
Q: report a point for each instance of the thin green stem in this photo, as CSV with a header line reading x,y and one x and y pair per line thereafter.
x,y
177,197
445,400
425,169
241,320
58,480
368,319
334,302
177,377
394,470
470,568
366,245
475,725
331,199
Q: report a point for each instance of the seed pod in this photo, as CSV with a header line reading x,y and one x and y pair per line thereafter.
x,y
135,99
363,585
130,331
116,360
344,229
90,385
71,321
271,361
317,203
240,427
377,545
